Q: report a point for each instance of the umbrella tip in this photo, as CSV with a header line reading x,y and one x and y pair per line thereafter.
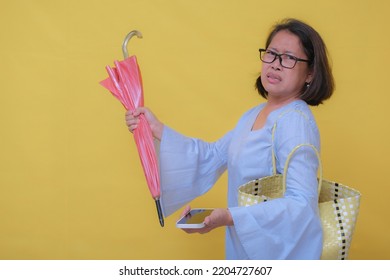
x,y
159,212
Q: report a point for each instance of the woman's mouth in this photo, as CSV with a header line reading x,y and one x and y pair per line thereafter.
x,y
273,78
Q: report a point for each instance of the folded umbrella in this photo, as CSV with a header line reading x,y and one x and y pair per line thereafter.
x,y
125,83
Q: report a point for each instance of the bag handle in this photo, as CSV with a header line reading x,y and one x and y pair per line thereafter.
x,y
291,154
288,162
273,135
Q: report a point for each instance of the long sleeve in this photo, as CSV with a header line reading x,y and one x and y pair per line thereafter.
x,y
189,167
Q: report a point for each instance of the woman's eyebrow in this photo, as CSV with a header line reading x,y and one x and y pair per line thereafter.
x,y
274,49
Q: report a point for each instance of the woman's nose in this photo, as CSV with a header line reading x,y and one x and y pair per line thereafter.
x,y
277,63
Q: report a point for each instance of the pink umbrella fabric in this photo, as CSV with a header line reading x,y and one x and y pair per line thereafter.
x,y
125,83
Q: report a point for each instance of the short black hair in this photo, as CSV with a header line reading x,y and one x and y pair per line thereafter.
x,y
322,84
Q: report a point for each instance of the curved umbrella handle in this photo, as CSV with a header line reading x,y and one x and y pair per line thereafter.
x,y
127,38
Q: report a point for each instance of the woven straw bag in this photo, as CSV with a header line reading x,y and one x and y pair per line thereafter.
x,y
338,206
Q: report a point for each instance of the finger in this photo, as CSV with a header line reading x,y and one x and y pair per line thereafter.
x,y
129,117
129,113
207,221
132,121
138,111
186,210
132,128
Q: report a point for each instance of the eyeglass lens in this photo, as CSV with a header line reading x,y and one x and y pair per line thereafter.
x,y
286,60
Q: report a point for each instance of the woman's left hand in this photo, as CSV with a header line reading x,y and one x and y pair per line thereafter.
x,y
218,218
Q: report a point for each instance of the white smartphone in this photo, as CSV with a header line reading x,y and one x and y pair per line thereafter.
x,y
194,218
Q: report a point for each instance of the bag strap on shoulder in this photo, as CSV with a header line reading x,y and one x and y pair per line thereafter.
x,y
293,151
290,155
273,135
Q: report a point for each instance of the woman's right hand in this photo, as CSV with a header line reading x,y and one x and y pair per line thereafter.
x,y
132,121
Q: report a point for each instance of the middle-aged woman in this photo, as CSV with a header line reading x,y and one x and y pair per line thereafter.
x,y
295,73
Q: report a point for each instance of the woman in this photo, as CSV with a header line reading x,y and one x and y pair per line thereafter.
x,y
295,73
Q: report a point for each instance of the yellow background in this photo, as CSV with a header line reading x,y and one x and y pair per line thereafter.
x,y
71,184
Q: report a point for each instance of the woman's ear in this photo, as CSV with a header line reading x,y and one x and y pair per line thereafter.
x,y
309,78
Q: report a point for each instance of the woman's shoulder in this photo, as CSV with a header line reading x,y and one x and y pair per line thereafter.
x,y
295,121
297,125
297,111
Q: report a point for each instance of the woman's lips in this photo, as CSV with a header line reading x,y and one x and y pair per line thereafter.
x,y
273,78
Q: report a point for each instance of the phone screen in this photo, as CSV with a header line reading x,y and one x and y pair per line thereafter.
x,y
194,219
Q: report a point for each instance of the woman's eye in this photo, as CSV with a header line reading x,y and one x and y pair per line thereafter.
x,y
290,57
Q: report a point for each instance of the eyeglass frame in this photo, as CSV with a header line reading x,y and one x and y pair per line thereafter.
x,y
277,55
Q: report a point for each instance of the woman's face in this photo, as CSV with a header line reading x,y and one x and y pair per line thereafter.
x,y
280,82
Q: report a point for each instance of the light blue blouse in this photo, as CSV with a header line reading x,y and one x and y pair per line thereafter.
x,y
283,228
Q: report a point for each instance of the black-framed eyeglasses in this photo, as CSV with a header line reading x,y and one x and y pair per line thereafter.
x,y
286,60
